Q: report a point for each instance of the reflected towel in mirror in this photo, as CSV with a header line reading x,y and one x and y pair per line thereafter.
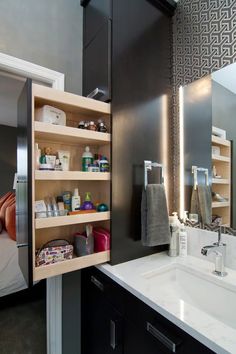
x,y
201,203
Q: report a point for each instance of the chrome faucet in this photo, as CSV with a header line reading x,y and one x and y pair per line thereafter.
x,y
219,249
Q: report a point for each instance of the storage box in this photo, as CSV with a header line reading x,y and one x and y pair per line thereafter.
x,y
49,114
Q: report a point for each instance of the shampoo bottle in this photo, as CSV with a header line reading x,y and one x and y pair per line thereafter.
x,y
174,235
87,159
183,241
75,201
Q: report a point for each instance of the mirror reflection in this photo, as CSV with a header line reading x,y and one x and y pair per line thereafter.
x,y
209,153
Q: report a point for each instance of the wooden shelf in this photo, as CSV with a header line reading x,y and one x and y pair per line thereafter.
x,y
221,158
220,141
69,101
220,181
220,204
44,223
71,176
70,265
59,133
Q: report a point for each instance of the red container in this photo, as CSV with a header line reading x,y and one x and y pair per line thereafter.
x,y
101,239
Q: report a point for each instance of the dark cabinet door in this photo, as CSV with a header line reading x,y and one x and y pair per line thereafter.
x,y
96,14
24,182
97,65
97,49
101,322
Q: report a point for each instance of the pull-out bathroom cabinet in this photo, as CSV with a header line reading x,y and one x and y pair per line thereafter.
x,y
34,185
135,67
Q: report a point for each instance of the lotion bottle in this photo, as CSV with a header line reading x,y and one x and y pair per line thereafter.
x,y
183,246
75,201
174,235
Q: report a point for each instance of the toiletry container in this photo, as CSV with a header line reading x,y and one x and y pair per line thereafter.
x,y
174,235
182,241
87,159
75,201
37,153
103,164
67,200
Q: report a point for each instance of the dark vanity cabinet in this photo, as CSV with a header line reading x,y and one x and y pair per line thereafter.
x,y
115,321
133,66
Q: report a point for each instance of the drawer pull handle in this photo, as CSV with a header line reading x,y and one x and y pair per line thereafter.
x,y
161,337
97,283
113,342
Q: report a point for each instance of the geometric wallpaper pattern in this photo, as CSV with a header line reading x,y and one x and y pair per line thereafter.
x,y
204,40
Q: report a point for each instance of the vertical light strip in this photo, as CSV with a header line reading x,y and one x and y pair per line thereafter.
x,y
165,144
181,151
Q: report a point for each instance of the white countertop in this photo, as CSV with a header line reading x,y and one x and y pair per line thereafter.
x,y
213,333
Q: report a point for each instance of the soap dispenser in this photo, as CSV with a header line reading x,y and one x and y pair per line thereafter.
x,y
174,235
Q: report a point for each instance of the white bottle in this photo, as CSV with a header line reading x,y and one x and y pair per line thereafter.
x,y
75,200
87,159
37,155
174,235
183,246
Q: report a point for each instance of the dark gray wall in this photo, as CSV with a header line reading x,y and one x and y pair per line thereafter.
x,y
203,41
47,33
7,158
223,116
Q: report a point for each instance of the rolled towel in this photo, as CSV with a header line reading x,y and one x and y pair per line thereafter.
x,y
154,216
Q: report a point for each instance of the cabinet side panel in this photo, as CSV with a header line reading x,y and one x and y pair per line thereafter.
x,y
141,90
24,182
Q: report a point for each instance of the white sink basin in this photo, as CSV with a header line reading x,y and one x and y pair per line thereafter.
x,y
205,292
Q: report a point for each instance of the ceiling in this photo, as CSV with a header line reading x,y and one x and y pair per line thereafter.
x,y
226,77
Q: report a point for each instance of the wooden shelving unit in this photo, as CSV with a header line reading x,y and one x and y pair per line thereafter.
x,y
72,176
45,183
220,204
220,181
57,133
68,266
222,185
44,223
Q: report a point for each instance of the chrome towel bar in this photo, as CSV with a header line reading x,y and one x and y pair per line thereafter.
x,y
148,165
195,170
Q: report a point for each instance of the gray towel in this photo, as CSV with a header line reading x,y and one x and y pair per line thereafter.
x,y
154,215
201,203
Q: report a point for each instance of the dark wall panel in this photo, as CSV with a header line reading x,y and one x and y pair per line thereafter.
x,y
141,73
8,140
197,132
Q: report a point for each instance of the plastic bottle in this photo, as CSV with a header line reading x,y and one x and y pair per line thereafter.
x,y
174,239
75,201
37,152
87,159
103,164
183,247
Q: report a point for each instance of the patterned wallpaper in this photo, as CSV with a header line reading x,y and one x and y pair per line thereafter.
x,y
204,40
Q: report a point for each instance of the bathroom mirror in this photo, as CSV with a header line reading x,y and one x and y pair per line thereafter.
x,y
208,148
